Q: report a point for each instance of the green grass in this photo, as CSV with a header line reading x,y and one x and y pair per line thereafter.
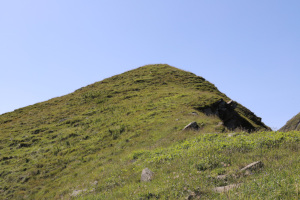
x,y
109,131
193,165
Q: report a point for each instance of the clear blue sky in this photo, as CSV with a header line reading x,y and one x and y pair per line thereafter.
x,y
249,49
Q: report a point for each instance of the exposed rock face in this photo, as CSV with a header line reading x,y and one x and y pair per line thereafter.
x,y
226,112
147,175
191,126
292,125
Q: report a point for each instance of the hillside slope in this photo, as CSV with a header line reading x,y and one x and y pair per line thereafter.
x,y
50,148
292,125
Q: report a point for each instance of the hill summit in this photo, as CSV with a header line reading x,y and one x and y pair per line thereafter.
x,y
292,125
48,148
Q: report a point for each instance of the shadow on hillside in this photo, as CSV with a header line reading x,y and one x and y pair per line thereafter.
x,y
226,112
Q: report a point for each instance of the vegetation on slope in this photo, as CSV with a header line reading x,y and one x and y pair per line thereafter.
x,y
193,166
292,125
51,148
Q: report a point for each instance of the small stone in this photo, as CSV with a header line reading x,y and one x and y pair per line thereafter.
x,y
147,175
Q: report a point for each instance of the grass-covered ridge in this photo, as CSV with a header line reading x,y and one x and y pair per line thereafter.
x,y
49,149
292,125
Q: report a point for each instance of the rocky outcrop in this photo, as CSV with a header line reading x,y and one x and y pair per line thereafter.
x,y
229,116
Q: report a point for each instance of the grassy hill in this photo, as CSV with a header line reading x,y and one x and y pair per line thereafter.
x,y
292,125
97,140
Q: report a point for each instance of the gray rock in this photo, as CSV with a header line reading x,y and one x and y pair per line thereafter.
x,y
147,175
191,126
253,166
